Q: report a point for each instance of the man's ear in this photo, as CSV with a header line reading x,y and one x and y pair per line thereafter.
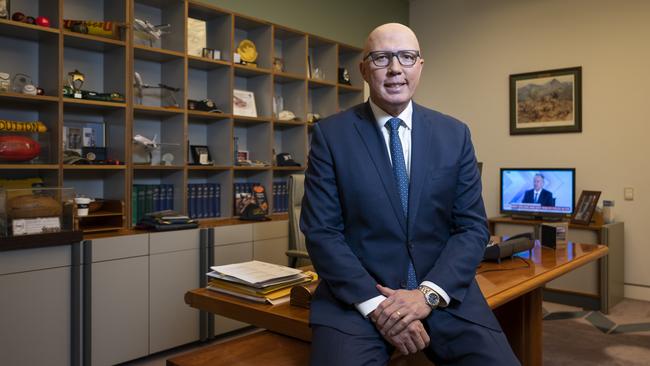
x,y
363,70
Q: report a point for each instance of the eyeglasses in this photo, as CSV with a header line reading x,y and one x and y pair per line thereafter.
x,y
406,58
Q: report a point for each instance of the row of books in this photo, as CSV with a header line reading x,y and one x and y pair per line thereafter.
x,y
204,200
258,281
146,198
280,196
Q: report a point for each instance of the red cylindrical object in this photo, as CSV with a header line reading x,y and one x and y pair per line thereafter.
x,y
18,148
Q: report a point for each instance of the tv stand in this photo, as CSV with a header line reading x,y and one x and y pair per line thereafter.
x,y
552,218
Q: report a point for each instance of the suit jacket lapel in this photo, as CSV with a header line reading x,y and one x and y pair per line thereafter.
x,y
374,142
420,147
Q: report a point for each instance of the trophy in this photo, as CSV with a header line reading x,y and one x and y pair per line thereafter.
x,y
75,81
247,52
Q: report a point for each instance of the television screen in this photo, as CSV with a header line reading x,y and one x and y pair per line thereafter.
x,y
538,192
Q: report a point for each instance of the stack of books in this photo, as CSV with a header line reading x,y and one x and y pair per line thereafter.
x,y
258,281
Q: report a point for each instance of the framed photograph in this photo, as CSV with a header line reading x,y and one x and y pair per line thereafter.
x,y
200,155
546,101
243,103
585,208
242,155
196,37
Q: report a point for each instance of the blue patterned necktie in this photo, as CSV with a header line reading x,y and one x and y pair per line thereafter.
x,y
402,180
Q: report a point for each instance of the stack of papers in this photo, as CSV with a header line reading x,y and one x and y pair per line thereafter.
x,y
257,281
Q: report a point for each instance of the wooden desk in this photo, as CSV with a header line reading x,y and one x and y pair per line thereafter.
x,y
597,286
513,292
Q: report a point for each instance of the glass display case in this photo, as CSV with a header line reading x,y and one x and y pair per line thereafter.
x,y
28,211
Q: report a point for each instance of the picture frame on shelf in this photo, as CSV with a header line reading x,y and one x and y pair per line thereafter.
x,y
548,101
201,155
243,103
585,208
242,155
196,37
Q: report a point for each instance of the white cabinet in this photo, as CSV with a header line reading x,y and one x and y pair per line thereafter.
x,y
119,299
35,301
271,241
173,270
233,244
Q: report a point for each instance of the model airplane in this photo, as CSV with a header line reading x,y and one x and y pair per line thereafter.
x,y
168,92
151,31
150,145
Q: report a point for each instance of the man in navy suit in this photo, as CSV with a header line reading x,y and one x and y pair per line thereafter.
x,y
395,225
538,194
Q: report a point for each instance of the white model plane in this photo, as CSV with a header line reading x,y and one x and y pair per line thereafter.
x,y
150,31
150,145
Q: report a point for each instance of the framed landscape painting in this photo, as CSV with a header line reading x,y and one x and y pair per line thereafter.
x,y
546,101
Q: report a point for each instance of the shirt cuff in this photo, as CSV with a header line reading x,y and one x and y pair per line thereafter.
x,y
438,290
368,306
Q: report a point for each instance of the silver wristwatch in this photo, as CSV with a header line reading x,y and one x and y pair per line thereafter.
x,y
431,297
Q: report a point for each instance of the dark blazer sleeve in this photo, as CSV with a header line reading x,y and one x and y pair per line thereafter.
x,y
455,268
528,196
321,220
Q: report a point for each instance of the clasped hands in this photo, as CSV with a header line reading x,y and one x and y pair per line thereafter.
x,y
398,319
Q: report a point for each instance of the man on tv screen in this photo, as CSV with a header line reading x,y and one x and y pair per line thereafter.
x,y
538,194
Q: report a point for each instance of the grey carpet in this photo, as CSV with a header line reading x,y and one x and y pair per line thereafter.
x,y
572,342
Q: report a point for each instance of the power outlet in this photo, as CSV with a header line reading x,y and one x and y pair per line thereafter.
x,y
628,193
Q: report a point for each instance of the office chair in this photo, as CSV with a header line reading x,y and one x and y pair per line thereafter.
x,y
297,248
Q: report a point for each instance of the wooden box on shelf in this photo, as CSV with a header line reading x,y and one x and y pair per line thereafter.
x,y
103,215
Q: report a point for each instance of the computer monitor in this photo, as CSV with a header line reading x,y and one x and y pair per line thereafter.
x,y
538,192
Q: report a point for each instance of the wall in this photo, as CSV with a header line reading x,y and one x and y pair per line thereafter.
x,y
471,46
339,20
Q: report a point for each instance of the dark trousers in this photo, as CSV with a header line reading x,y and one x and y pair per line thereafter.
x,y
454,341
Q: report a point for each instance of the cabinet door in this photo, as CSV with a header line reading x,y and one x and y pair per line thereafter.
x,y
172,322
35,317
271,250
120,310
226,254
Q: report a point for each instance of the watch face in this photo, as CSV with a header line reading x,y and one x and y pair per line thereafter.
x,y
433,299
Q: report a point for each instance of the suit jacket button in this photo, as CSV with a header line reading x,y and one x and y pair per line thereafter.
x,y
410,245
402,284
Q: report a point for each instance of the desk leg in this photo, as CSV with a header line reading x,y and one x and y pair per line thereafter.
x,y
521,320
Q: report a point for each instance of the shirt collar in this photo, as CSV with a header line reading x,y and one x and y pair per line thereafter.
x,y
382,117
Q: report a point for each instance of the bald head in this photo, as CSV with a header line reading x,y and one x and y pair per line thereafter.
x,y
391,32
391,66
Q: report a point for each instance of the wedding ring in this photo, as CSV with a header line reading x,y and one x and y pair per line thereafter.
x,y
399,315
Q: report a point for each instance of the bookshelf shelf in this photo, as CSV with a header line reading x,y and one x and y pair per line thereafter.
x,y
199,115
148,110
90,42
208,167
10,28
156,167
286,61
93,104
206,63
155,54
25,98
94,167
29,166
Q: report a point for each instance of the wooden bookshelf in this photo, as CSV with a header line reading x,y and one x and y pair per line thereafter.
x,y
109,65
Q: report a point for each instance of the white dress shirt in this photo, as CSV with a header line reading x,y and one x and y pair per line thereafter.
x,y
404,132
